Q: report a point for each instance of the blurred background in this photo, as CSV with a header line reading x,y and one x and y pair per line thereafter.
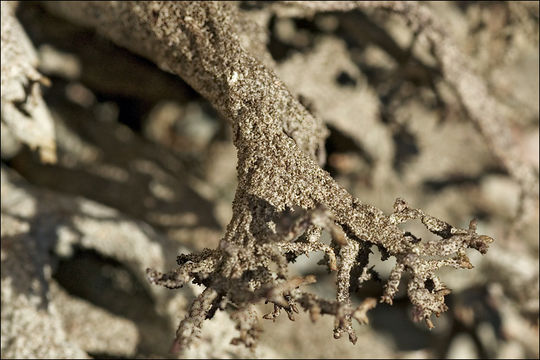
x,y
145,169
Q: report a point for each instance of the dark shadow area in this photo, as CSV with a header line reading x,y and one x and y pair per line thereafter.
x,y
128,155
111,72
406,147
104,356
107,284
339,142
282,48
344,79
461,180
395,322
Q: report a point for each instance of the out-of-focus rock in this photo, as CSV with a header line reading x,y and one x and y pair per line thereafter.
x,y
462,347
339,95
38,229
74,53
109,163
97,331
187,129
31,324
501,190
23,109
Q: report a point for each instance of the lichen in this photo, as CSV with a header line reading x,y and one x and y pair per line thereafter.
x,y
280,149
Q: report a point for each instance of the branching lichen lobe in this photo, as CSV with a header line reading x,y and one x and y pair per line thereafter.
x,y
280,147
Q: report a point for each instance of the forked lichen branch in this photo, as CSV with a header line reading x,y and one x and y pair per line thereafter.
x,y
280,146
